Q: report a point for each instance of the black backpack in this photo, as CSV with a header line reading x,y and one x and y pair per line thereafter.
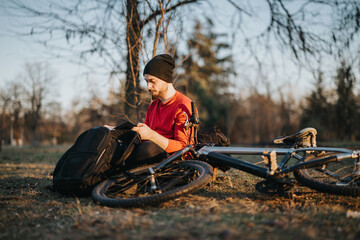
x,y
213,135
95,155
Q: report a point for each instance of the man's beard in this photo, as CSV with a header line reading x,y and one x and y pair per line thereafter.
x,y
154,96
159,94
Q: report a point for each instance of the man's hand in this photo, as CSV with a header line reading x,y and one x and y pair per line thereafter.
x,y
146,133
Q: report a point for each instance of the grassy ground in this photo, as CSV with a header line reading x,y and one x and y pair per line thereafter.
x,y
29,210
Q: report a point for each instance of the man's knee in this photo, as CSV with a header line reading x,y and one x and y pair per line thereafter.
x,y
146,152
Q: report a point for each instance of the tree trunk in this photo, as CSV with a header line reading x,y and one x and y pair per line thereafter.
x,y
133,39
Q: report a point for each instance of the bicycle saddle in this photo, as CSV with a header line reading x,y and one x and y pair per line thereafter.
x,y
304,138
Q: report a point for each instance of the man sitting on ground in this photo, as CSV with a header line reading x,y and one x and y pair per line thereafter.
x,y
164,130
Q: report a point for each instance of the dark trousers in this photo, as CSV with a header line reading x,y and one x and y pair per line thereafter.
x,y
144,153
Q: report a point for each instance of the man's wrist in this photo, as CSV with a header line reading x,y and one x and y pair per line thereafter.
x,y
160,140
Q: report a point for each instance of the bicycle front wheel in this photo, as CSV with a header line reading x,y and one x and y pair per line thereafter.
x,y
335,177
139,188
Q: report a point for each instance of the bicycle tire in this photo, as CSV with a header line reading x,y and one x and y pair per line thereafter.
x,y
336,177
132,189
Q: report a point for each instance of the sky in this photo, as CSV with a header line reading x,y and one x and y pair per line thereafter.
x,y
16,52
73,84
70,81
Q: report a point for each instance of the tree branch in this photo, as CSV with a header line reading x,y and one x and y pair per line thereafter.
x,y
158,11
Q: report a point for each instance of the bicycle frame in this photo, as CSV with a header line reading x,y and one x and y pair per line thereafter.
x,y
302,142
220,155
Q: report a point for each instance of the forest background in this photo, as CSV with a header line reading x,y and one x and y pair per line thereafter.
x,y
257,69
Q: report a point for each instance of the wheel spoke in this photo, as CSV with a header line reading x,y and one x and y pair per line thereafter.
x,y
337,177
127,184
176,180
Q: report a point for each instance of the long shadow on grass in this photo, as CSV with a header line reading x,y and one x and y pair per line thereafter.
x,y
29,188
298,197
221,190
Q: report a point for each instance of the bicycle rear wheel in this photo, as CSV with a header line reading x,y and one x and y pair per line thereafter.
x,y
335,177
135,187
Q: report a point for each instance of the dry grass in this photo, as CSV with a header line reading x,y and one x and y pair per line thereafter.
x,y
29,210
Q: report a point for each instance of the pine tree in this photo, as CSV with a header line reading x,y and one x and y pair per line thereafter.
x,y
346,109
318,112
206,75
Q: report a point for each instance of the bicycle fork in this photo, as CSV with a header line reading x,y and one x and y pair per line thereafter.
x,y
153,186
177,155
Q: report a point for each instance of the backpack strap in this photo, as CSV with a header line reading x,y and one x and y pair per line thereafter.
x,y
127,138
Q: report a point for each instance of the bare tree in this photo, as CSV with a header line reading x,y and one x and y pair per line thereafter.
x,y
110,29
5,100
11,111
304,32
306,28
52,115
37,81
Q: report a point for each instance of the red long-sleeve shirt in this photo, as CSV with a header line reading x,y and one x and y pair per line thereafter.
x,y
169,120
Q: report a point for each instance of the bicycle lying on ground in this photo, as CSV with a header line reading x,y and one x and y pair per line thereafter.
x,y
330,170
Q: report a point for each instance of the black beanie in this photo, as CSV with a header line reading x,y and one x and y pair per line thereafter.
x,y
161,66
